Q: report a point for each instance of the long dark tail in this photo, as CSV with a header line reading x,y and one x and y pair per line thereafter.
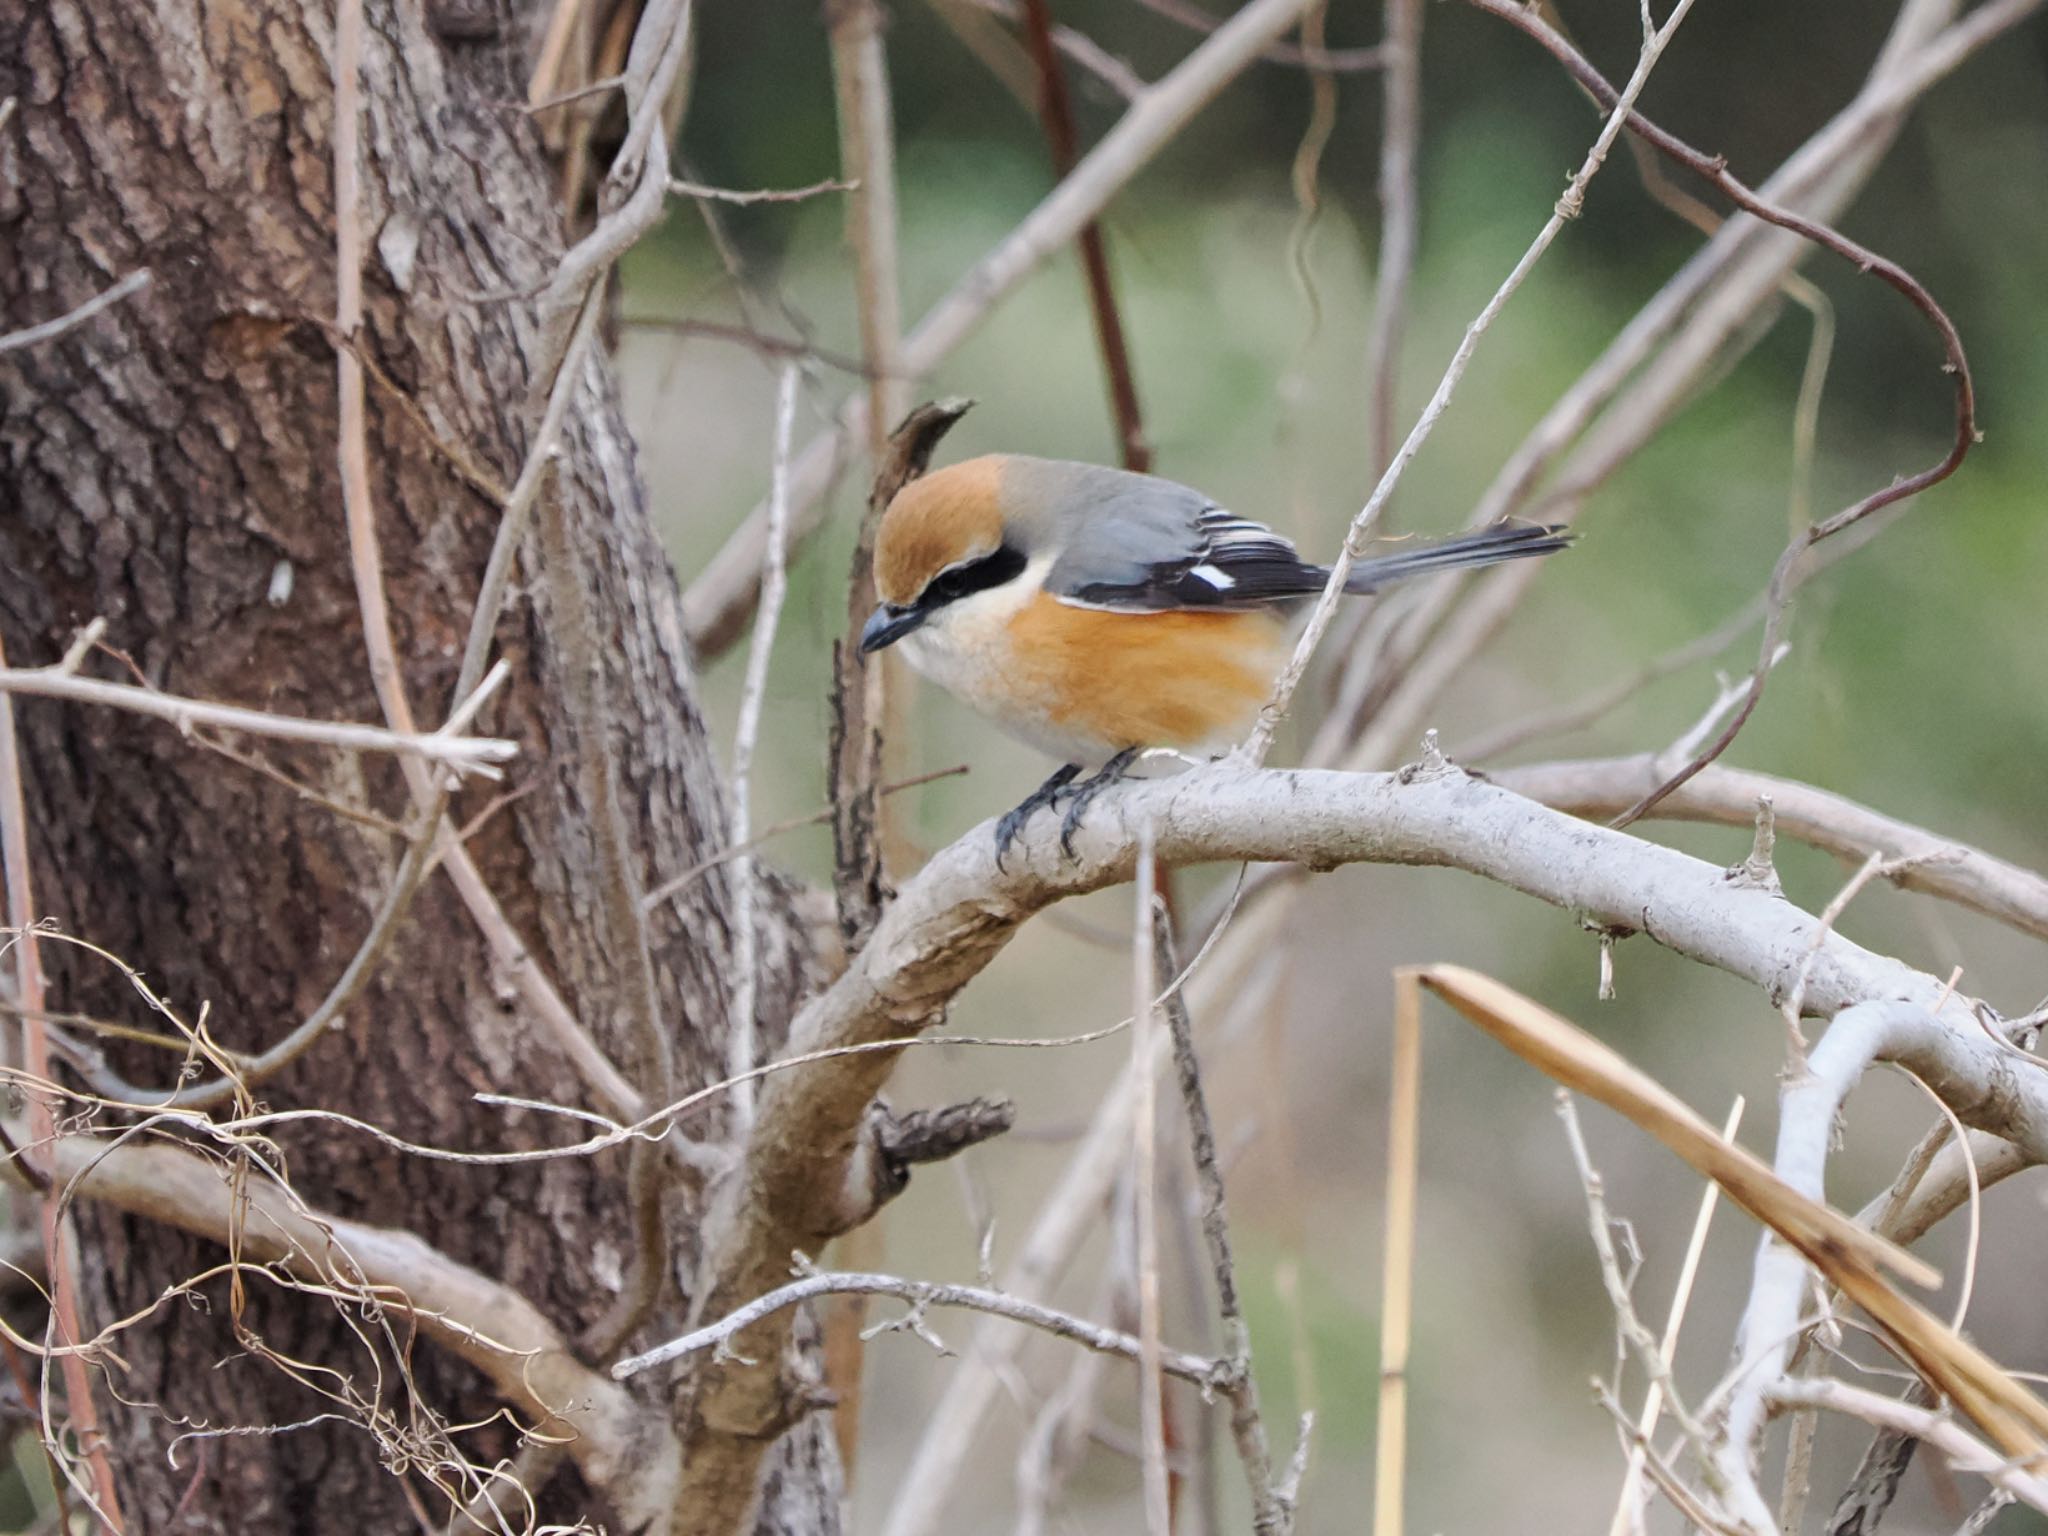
x,y
1489,546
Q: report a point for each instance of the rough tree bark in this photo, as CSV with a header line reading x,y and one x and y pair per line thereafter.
x,y
171,467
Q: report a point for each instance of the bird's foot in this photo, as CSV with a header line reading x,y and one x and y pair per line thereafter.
x,y
1047,794
1115,771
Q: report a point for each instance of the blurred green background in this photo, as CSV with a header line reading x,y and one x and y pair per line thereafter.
x,y
1914,684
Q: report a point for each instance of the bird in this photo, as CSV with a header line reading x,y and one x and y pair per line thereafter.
x,y
1097,613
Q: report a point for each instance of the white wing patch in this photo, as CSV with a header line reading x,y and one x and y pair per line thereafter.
x,y
1221,580
1227,528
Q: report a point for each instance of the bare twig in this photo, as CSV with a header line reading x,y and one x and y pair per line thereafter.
x,y
1599,702
1980,1518
754,340
743,1034
1272,1513
636,189
1400,134
860,687
1967,1288
921,1295
659,49
854,747
867,159
1145,1213
1648,1350
748,198
1627,1513
462,754
1397,1270
517,511
50,330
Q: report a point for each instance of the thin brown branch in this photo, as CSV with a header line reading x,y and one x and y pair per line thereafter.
x,y
660,47
1272,1512
855,747
1076,45
1056,116
860,687
59,1256
569,97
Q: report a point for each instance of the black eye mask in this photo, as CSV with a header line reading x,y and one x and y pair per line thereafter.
x,y
890,623
992,570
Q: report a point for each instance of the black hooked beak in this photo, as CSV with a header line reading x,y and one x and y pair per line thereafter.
x,y
888,624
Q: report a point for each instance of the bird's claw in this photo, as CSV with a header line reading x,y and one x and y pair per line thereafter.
x,y
1112,772
1047,794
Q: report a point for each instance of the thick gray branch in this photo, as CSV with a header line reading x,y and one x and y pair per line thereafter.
x,y
1939,866
794,1192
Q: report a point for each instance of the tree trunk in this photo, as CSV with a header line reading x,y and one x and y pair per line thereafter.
x,y
171,467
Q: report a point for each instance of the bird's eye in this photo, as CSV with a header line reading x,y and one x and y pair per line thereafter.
x,y
958,581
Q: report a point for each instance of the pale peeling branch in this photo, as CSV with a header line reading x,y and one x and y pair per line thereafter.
x,y
1986,1080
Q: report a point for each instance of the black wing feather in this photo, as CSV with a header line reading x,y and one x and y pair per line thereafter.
x,y
1224,561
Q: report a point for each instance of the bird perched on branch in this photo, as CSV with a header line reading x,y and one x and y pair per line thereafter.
x,y
1094,613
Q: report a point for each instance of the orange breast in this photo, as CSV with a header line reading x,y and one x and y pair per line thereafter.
x,y
1181,679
